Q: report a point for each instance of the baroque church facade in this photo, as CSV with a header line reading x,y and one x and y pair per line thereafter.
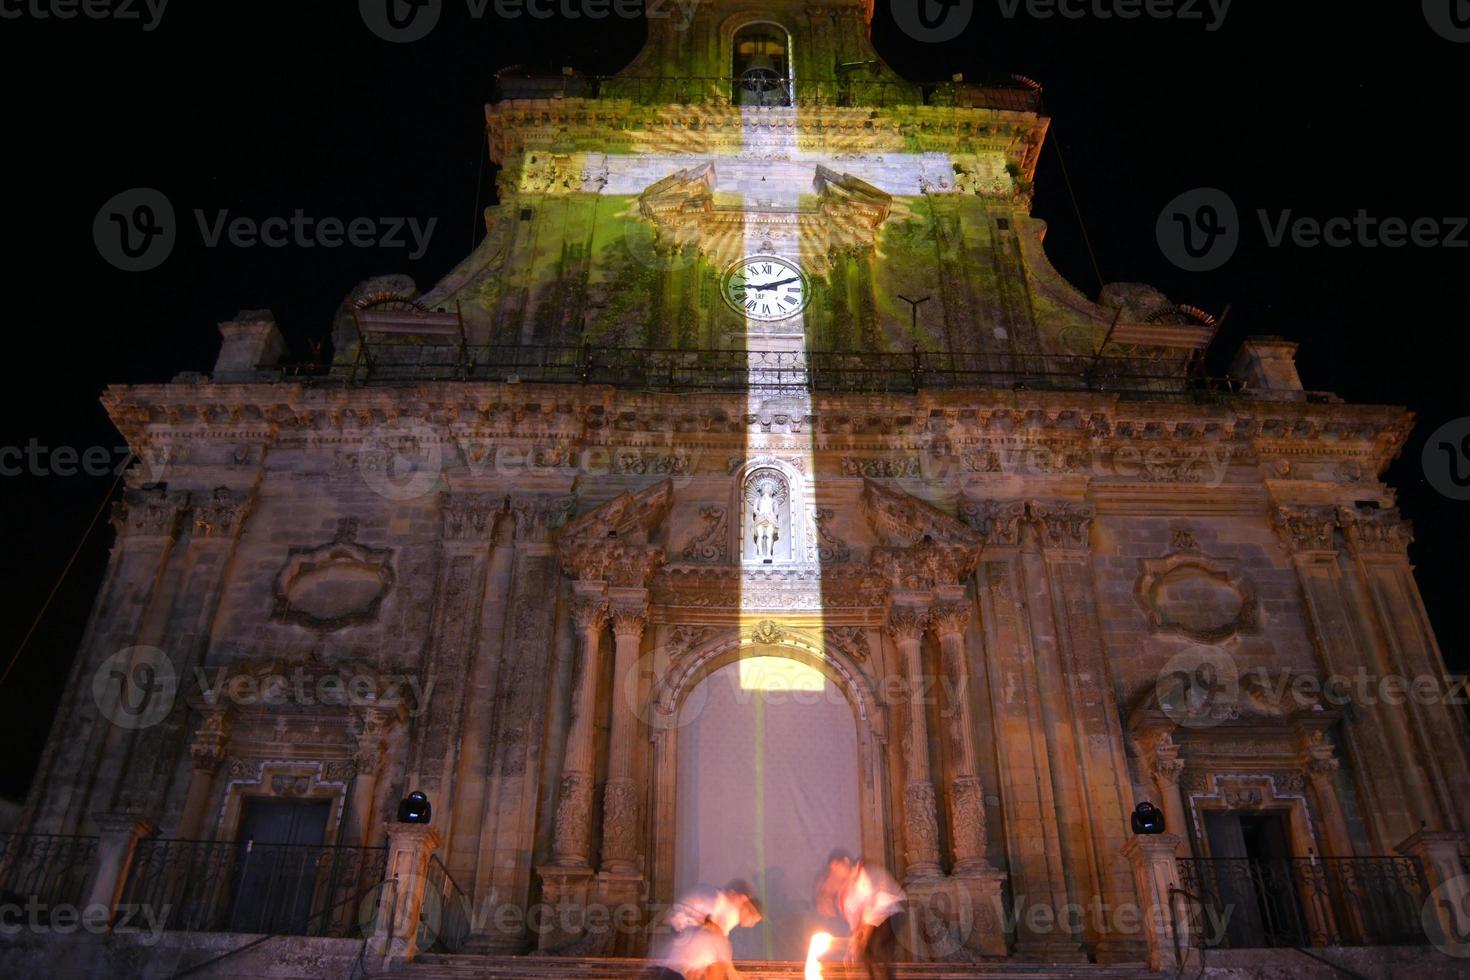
x,y
761,357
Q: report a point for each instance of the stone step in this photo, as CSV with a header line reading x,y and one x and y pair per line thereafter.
x,y
438,966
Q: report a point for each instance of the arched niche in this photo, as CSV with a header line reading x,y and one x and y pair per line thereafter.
x,y
758,57
772,506
666,710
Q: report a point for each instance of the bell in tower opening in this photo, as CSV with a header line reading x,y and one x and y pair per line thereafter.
x,y
761,71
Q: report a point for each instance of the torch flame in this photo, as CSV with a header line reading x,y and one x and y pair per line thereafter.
x,y
821,942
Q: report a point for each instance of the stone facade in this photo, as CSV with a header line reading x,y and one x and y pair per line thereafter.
x,y
519,584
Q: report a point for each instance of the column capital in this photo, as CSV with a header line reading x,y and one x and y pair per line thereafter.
x,y
589,609
207,748
1375,533
906,623
950,617
628,609
219,513
1306,528
1062,526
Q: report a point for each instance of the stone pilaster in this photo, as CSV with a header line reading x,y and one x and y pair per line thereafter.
x,y
1319,759
1156,875
1373,742
1025,764
906,626
396,929
629,613
527,679
950,618
117,837
1433,729
571,846
207,752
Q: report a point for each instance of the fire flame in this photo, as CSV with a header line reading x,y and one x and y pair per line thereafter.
x,y
821,942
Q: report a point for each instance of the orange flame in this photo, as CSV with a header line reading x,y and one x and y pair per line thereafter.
x,y
821,942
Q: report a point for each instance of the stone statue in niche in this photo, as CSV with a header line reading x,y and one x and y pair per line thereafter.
x,y
767,500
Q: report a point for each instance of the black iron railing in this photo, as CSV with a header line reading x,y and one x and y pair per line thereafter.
x,y
41,872
713,91
280,889
741,370
444,922
1303,902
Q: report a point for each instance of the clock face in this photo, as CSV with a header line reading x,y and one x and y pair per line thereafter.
x,y
765,287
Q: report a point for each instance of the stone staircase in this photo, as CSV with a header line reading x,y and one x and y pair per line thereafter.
x,y
435,966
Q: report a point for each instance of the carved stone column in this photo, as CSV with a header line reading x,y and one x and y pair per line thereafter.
x,y
949,619
629,611
207,751
571,843
1166,767
374,723
1321,764
906,625
117,837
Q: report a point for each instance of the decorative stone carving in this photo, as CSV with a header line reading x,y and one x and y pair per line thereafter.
x,y
852,641
538,517
997,521
1195,596
335,584
1063,526
1306,528
767,632
573,818
924,566
1375,532
471,517
208,746
921,822
221,513
147,512
620,820
829,548
906,623
711,543
950,618
589,612
968,797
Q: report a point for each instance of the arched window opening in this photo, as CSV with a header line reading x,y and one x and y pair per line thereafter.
x,y
762,67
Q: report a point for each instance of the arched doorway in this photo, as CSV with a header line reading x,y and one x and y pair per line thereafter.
x,y
768,782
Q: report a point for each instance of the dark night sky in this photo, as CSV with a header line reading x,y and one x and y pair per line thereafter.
x,y
263,108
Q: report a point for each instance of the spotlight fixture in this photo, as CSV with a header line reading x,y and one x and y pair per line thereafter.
x,y
414,808
1148,819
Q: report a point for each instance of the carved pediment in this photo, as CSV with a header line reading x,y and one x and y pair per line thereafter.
x,y
901,519
610,542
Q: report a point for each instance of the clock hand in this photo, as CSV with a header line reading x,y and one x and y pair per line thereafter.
x,y
772,285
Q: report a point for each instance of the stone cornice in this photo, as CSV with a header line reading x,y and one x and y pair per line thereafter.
x,y
1054,433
